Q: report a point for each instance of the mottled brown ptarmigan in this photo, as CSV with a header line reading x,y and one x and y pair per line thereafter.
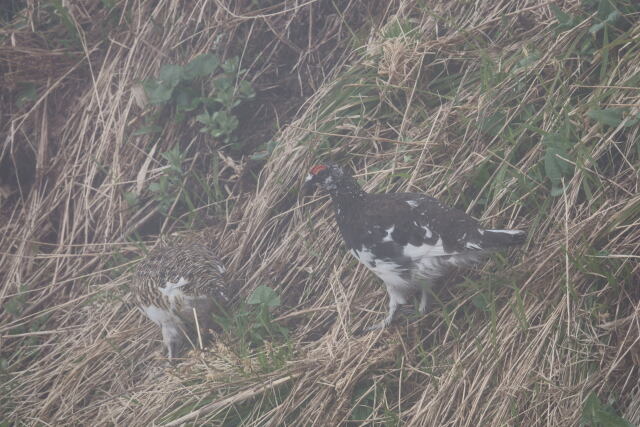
x,y
180,287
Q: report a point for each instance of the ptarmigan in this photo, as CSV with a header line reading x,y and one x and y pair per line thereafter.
x,y
408,240
177,283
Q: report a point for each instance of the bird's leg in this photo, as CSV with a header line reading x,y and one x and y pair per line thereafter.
x,y
172,337
424,299
393,308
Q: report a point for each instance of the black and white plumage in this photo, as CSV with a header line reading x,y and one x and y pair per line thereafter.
x,y
408,240
177,283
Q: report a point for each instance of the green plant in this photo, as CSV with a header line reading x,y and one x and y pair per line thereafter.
x,y
613,117
261,323
556,167
264,151
205,90
59,14
368,402
187,189
597,414
15,306
168,188
252,325
211,100
26,94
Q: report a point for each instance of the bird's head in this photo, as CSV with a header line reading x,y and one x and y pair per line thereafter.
x,y
325,176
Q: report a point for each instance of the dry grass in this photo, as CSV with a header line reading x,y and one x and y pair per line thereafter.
x,y
454,100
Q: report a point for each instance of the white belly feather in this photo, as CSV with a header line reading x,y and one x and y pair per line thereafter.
x,y
390,273
173,293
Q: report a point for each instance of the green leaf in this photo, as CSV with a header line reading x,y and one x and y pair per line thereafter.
x,y
225,119
632,121
224,84
596,27
493,124
245,89
174,158
212,103
562,17
14,305
557,149
226,98
26,94
610,117
265,150
147,129
131,198
605,10
230,66
529,60
481,301
264,295
204,118
157,93
187,98
259,155
610,20
595,413
201,66
170,75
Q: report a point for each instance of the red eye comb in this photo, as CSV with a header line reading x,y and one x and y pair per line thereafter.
x,y
317,169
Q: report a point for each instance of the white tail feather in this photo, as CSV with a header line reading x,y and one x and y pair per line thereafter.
x,y
512,232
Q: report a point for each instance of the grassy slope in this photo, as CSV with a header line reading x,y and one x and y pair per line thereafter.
x,y
522,113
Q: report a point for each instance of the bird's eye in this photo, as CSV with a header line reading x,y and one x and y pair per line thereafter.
x,y
317,169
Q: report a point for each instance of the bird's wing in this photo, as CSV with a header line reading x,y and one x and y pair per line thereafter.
x,y
421,226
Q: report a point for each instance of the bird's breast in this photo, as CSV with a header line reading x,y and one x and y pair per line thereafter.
x,y
391,272
159,315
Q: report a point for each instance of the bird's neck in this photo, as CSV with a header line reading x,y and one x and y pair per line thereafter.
x,y
347,194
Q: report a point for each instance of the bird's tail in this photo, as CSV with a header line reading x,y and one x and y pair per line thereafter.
x,y
503,238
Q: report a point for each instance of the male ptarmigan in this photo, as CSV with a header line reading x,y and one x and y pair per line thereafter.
x,y
408,240
180,287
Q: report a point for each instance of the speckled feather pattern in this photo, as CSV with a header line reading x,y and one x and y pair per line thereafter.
x,y
196,263
408,240
172,281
